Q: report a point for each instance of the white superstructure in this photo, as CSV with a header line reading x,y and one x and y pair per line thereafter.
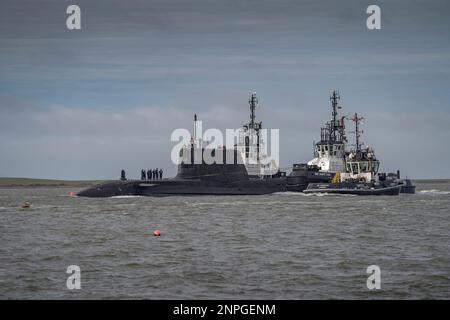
x,y
361,163
251,146
331,155
329,152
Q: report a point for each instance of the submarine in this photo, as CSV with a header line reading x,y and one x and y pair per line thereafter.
x,y
246,174
196,179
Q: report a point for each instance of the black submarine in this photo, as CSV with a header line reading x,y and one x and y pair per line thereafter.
x,y
196,179
221,177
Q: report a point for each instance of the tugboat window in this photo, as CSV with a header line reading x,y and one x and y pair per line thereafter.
x,y
376,166
364,166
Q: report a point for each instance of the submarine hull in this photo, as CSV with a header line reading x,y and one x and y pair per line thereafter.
x,y
195,179
184,187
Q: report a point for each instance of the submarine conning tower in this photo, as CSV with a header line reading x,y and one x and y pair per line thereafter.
x,y
227,167
329,152
197,162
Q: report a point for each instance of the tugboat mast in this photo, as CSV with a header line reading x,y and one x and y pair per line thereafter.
x,y
329,153
357,120
334,104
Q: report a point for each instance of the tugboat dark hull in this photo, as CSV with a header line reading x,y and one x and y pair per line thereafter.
x,y
302,175
354,189
408,187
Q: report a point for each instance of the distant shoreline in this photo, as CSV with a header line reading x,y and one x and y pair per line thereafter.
x,y
31,183
431,180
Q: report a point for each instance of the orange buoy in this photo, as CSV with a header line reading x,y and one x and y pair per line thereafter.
x,y
157,233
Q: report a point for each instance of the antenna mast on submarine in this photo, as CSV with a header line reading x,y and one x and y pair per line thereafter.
x,y
252,125
253,102
195,128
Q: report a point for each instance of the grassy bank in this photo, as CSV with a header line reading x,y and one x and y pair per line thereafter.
x,y
28,182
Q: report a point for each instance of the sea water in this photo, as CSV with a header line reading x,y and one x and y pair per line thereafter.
x,y
280,246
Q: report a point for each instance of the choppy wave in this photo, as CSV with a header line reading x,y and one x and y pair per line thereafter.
x,y
211,204
285,245
435,191
125,197
293,193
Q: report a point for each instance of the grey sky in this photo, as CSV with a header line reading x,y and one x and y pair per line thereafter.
x,y
85,104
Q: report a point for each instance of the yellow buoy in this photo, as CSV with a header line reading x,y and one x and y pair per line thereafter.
x,y
26,204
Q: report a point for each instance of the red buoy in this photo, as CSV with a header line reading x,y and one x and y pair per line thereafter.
x,y
157,233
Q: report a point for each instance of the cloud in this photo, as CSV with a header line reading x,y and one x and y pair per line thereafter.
x,y
85,104
84,144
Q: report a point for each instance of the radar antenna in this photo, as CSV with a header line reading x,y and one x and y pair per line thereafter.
x,y
252,125
335,125
357,120
253,102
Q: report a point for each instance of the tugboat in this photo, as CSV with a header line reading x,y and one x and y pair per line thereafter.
x,y
360,176
329,153
336,170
